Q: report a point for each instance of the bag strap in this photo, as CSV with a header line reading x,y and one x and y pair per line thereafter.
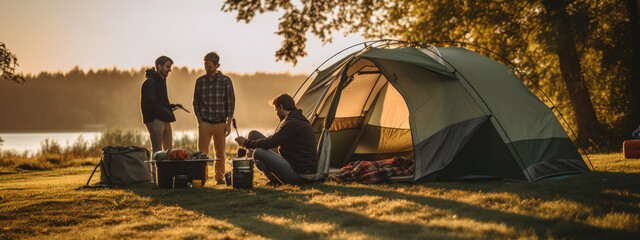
x,y
94,171
97,185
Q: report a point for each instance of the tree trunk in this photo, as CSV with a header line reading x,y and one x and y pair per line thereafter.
x,y
634,38
589,129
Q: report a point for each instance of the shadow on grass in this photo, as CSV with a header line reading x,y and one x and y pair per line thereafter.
x,y
251,210
247,210
545,228
605,191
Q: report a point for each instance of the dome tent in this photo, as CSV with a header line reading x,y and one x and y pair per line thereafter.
x,y
459,114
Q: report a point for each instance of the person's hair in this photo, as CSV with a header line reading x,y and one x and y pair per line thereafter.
x,y
285,101
160,61
212,57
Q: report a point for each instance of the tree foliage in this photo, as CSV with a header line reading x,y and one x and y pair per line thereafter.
x,y
579,52
8,64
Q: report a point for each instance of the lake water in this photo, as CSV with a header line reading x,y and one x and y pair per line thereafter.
x,y
31,141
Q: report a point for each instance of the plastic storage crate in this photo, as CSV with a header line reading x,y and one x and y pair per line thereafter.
x,y
194,169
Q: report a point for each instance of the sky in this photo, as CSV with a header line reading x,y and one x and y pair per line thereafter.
x,y
56,35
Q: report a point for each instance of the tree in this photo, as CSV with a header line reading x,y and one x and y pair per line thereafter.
x,y
8,64
634,39
563,42
584,43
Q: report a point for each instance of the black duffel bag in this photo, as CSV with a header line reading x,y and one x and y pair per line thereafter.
x,y
123,165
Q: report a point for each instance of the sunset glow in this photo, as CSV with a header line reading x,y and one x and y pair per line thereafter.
x,y
58,35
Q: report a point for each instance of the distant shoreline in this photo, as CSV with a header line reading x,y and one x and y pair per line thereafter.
x,y
59,131
81,130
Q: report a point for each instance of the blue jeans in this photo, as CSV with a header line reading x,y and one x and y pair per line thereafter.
x,y
274,166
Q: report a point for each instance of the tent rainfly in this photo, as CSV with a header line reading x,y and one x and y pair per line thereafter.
x,y
459,114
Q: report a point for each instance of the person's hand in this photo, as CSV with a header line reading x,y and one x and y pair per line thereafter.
x,y
240,141
227,129
175,106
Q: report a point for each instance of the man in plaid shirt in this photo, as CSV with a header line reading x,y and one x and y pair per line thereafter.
x,y
213,103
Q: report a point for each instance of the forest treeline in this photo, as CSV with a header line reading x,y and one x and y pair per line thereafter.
x,y
80,100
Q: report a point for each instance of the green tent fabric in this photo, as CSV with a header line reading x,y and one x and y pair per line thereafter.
x,y
457,113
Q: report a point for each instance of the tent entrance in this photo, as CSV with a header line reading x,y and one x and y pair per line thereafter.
x,y
371,120
387,132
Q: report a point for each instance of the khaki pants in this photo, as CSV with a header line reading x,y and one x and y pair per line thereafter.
x,y
160,135
205,132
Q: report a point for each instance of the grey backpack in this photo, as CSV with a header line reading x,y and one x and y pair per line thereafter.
x,y
122,165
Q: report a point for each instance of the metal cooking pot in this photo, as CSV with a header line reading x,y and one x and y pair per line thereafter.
x,y
242,164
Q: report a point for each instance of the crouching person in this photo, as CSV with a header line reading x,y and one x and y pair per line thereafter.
x,y
289,156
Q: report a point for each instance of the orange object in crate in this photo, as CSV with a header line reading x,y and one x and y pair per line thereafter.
x,y
631,148
178,154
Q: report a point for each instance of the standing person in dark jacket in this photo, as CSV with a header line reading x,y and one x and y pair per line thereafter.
x,y
157,112
297,161
213,104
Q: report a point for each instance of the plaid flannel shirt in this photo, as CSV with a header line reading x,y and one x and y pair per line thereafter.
x,y
374,171
214,99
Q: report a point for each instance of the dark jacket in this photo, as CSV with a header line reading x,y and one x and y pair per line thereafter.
x,y
154,101
296,142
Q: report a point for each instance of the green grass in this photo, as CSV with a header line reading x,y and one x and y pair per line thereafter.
x,y
596,205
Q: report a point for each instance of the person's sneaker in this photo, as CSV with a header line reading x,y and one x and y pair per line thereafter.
x,y
220,182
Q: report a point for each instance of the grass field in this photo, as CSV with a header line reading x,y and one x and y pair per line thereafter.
x,y
598,205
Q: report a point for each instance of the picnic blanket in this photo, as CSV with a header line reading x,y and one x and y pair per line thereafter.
x,y
374,171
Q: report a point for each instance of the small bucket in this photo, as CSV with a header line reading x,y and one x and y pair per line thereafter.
x,y
242,173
